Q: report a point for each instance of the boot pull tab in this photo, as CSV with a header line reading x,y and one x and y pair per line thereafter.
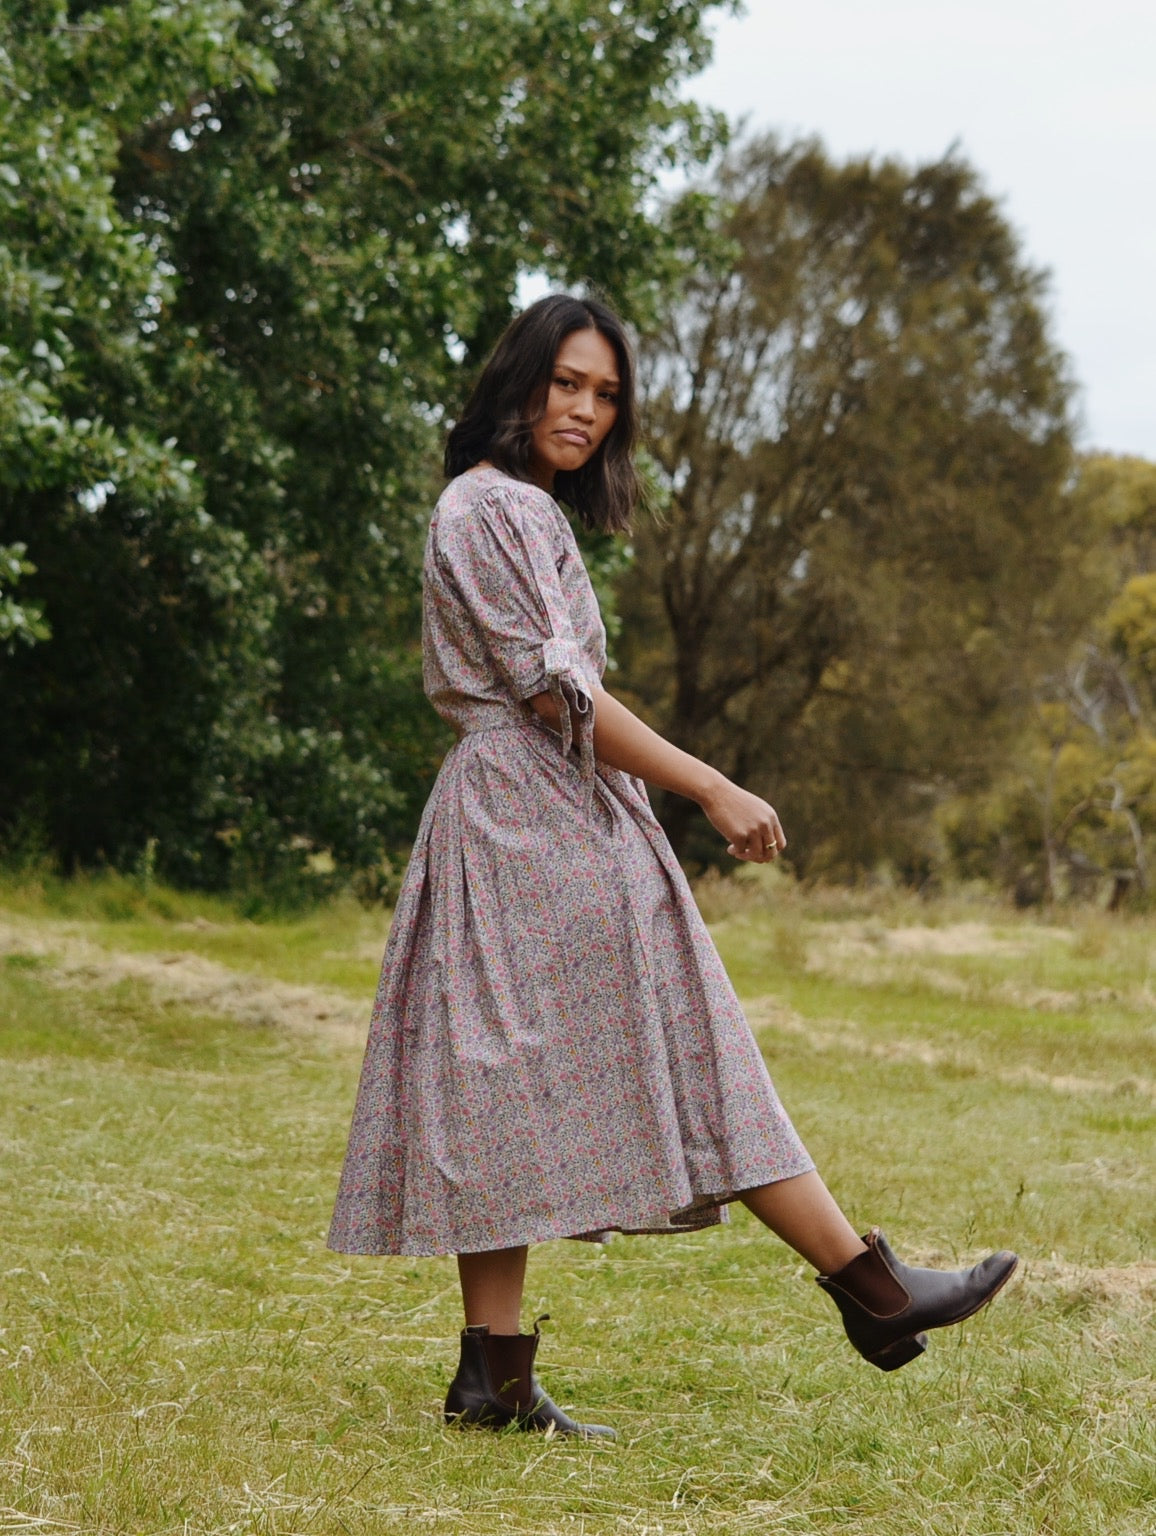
x,y
545,1318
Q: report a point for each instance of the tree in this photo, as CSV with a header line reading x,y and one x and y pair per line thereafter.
x,y
1075,807
18,621
158,612
863,429
254,253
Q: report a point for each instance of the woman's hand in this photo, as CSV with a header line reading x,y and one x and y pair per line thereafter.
x,y
622,740
750,825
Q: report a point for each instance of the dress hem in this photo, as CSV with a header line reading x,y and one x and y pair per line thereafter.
x,y
703,1212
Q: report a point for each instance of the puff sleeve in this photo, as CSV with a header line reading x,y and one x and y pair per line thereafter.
x,y
501,556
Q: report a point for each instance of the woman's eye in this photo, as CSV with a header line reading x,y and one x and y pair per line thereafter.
x,y
565,383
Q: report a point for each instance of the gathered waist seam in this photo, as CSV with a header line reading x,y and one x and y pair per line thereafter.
x,y
503,725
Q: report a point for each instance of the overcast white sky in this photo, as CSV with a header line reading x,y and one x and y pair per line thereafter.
x,y
1053,101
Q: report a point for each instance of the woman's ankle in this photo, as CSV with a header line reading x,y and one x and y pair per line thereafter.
x,y
492,1285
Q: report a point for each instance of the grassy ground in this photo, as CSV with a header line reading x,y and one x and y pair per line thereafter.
x,y
179,1353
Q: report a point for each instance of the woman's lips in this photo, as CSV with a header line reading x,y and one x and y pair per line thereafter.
x,y
578,438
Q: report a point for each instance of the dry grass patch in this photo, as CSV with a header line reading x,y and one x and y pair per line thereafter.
x,y
1131,1284
846,1038
72,961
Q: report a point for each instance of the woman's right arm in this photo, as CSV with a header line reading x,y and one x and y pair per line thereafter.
x,y
622,740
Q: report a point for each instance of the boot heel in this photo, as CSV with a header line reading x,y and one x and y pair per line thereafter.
x,y
900,1353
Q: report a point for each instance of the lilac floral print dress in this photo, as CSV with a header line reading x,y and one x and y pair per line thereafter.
x,y
555,1049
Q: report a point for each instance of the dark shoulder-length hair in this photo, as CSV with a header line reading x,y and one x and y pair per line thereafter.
x,y
510,398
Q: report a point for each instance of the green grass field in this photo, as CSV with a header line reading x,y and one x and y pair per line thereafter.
x,y
180,1354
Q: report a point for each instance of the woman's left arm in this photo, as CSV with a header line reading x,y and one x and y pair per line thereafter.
x,y
622,740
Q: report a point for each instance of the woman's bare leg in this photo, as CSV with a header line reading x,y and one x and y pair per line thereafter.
x,y
802,1211
492,1286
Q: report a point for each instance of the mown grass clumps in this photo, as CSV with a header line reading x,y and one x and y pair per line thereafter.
x,y
180,1354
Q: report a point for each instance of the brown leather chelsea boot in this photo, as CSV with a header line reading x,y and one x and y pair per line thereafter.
x,y
495,1385
887,1305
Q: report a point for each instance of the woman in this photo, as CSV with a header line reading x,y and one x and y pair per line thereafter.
x,y
555,1049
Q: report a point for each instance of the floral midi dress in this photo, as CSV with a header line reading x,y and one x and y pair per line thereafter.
x,y
555,1049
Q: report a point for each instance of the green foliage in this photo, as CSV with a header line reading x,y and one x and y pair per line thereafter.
x,y
253,254
1074,814
127,723
18,621
862,423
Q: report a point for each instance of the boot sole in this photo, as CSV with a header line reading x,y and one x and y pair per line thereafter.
x,y
467,1419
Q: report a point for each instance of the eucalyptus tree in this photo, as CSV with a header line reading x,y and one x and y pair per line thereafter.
x,y
862,425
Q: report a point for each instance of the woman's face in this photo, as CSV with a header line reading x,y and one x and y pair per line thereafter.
x,y
581,406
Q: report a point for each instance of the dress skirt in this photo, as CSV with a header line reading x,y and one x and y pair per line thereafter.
x,y
555,1049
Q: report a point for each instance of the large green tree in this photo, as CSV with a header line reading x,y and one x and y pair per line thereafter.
x,y
113,726
252,253
862,424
